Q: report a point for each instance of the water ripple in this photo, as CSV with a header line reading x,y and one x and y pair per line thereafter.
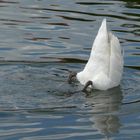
x,y
40,43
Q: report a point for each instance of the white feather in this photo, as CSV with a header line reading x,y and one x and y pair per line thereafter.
x,y
105,65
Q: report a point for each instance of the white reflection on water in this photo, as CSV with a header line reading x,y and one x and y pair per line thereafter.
x,y
106,105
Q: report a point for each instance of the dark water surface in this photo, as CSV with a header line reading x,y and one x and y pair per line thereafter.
x,y
40,42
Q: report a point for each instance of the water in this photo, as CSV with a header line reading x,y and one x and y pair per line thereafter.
x,y
40,42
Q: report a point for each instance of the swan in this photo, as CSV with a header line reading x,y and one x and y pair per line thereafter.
x,y
105,65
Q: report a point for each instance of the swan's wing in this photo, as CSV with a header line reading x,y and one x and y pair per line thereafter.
x,y
99,57
100,53
116,59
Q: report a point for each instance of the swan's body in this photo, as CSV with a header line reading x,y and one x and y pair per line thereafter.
x,y
105,65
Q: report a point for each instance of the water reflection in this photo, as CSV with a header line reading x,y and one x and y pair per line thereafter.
x,y
39,42
106,105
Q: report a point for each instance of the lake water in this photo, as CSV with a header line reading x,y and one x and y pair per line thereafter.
x,y
40,42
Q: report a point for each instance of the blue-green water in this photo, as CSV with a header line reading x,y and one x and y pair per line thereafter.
x,y
40,42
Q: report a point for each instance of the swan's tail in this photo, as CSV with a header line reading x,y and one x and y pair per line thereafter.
x,y
103,27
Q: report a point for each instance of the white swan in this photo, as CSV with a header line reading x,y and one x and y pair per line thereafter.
x,y
105,65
